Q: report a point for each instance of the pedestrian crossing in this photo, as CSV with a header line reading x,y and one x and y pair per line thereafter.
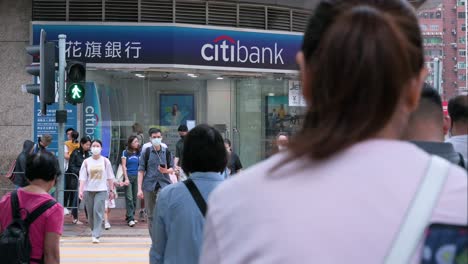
x,y
133,250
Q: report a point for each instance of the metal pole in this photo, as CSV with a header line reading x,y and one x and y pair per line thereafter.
x,y
436,75
61,128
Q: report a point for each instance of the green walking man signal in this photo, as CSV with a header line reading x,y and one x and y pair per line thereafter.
x,y
75,93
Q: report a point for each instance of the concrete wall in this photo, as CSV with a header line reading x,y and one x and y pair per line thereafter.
x,y
219,103
15,107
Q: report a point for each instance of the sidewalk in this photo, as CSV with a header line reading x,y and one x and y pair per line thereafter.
x,y
117,220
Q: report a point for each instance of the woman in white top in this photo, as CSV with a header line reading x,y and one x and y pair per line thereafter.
x,y
342,189
96,185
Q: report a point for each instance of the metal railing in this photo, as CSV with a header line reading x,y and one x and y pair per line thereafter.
x,y
7,186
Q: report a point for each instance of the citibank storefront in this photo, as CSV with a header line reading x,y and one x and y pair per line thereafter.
x,y
243,82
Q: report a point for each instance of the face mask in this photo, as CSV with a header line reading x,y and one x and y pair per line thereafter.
x,y
182,137
281,148
156,141
96,150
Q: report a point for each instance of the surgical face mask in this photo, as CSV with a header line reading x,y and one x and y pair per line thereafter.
x,y
156,141
96,150
281,147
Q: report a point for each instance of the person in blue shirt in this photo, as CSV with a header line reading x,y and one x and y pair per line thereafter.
x,y
130,159
178,219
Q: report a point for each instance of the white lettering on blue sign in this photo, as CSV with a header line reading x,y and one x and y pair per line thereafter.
x,y
113,49
236,52
132,49
93,49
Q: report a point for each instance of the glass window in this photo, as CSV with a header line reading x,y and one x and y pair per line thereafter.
x,y
461,14
433,40
461,2
461,40
461,65
423,27
434,27
463,27
264,110
462,53
249,111
462,77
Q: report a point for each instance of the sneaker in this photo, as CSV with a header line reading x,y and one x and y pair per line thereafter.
x,y
131,223
107,226
66,211
77,222
136,221
95,240
141,215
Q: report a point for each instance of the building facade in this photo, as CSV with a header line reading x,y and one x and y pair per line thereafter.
x,y
443,23
160,64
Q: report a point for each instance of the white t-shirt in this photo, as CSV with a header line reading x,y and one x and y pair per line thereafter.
x,y
65,161
346,209
95,173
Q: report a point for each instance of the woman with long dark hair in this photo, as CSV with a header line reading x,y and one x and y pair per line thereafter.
x,y
130,158
344,188
72,174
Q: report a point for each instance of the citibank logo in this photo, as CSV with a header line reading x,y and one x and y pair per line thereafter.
x,y
226,49
91,122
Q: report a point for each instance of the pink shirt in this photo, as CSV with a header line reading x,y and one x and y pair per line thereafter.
x,y
346,209
51,221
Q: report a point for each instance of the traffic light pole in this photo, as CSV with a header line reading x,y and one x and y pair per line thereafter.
x,y
61,124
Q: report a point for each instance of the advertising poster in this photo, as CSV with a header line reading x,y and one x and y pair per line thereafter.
x,y
46,124
176,109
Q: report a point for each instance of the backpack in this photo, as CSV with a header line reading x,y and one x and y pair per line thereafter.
x,y
147,154
15,246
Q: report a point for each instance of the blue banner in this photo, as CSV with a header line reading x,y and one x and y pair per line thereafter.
x,y
165,45
46,124
95,111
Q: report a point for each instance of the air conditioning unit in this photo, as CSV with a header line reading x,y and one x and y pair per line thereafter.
x,y
455,58
454,45
454,32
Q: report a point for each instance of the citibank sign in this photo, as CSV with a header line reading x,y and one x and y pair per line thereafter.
x,y
226,49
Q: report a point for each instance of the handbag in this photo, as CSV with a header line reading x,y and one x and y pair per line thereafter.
x,y
418,215
119,176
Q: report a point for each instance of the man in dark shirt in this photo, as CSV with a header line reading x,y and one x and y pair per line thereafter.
x,y
234,163
427,127
153,173
183,130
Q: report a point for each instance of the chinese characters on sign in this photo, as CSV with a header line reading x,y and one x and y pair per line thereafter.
x,y
110,49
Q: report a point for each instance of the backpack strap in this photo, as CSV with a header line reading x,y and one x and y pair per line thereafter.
x,y
168,158
15,210
196,195
461,162
419,212
147,154
39,211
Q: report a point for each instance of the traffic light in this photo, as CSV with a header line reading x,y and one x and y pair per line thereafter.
x,y
45,70
76,80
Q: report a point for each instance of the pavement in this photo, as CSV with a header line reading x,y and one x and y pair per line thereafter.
x,y
132,250
117,220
